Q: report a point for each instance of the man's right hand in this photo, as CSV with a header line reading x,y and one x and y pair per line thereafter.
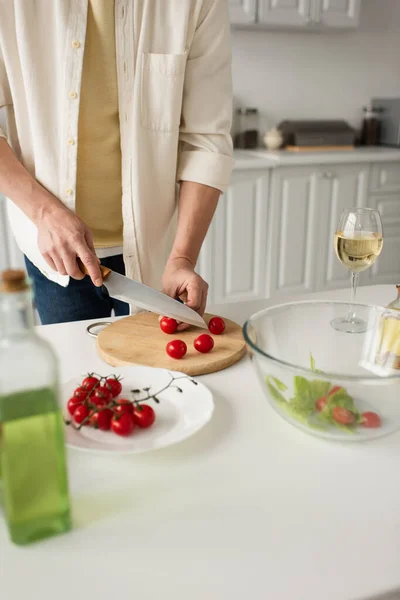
x,y
63,238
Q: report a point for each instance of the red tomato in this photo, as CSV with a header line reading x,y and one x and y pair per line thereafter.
x,y
168,325
204,343
122,424
103,393
176,349
335,389
89,383
99,402
216,325
342,415
144,416
81,394
123,406
114,386
370,420
102,419
80,413
73,404
320,403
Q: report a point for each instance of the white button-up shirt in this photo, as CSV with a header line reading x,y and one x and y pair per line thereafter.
x,y
174,88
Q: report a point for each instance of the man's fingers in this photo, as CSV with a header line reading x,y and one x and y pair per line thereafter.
x,y
59,264
92,265
72,267
50,261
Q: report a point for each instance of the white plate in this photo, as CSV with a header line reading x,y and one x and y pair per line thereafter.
x,y
178,415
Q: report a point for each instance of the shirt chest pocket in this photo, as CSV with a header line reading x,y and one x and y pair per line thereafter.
x,y
162,90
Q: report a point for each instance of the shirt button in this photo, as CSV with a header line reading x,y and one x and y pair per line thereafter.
x,y
71,142
68,191
76,44
73,95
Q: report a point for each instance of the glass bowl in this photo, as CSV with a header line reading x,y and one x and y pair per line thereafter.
x,y
336,385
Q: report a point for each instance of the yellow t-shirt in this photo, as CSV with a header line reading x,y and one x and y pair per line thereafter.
x,y
98,186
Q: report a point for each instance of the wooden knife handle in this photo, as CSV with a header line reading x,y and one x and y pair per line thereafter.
x,y
105,271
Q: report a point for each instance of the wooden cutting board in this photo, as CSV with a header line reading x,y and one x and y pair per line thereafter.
x,y
139,340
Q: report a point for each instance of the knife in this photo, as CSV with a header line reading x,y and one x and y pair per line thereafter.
x,y
143,296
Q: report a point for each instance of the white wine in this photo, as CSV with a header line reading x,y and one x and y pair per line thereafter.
x,y
359,250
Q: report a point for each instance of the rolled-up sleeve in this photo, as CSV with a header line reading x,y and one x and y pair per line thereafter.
x,y
205,149
5,94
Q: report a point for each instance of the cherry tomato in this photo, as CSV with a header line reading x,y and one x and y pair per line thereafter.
x,y
123,406
114,386
168,325
101,419
122,424
81,394
103,393
144,416
99,402
80,413
370,420
342,415
216,325
320,403
89,383
73,404
176,349
335,389
204,343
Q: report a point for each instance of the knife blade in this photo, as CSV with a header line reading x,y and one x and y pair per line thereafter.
x,y
146,297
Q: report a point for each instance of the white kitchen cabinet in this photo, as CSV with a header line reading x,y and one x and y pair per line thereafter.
x,y
339,187
233,257
288,13
339,14
292,251
242,11
386,269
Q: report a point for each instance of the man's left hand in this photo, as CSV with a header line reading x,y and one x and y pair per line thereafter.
x,y
181,281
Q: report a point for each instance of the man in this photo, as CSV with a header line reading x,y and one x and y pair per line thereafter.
x,y
110,106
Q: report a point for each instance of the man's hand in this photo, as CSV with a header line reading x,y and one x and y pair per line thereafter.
x,y
181,281
62,238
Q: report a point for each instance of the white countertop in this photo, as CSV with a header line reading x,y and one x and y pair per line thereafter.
x,y
250,507
254,159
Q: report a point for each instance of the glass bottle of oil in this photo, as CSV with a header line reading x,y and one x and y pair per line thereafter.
x,y
388,354
32,452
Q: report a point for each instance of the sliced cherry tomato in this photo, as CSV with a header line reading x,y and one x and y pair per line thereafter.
x,y
335,389
204,343
176,349
73,404
80,413
114,386
168,325
89,383
123,406
320,403
122,424
216,325
81,394
101,419
342,415
370,420
144,415
102,392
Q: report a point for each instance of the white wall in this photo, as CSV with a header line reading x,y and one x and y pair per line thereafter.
x,y
320,75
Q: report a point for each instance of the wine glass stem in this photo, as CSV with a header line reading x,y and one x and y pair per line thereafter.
x,y
354,281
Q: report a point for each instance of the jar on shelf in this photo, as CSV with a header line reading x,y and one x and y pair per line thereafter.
x,y
371,126
248,127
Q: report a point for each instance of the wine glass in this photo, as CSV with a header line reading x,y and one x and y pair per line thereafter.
x,y
358,243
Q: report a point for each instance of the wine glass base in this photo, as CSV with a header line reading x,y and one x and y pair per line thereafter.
x,y
353,325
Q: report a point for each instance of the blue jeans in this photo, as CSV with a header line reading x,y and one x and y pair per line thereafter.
x,y
79,301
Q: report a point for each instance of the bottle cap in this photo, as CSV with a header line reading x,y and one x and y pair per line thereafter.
x,y
13,280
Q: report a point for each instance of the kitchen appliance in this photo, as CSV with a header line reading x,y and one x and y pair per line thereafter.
x,y
325,382
389,109
139,340
143,296
317,135
248,126
371,126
